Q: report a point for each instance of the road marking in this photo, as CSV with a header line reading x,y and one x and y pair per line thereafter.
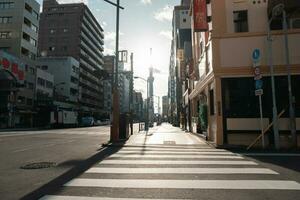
x,y
55,197
186,184
271,154
178,162
102,170
171,149
178,153
175,156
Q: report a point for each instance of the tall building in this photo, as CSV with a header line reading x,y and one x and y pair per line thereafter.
x,y
181,54
223,98
72,30
19,25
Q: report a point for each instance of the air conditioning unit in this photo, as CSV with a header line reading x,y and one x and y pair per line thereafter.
x,y
295,23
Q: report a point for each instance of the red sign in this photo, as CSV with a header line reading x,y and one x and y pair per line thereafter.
x,y
5,63
200,16
21,75
14,68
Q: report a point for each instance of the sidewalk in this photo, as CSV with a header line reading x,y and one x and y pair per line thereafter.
x,y
164,134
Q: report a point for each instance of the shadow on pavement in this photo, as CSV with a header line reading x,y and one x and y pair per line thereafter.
x,y
80,166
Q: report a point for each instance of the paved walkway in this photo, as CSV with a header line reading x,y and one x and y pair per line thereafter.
x,y
167,163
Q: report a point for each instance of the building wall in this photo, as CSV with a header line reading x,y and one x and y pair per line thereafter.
x,y
82,39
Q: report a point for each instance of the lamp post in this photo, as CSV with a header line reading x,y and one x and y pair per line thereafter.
x,y
147,100
276,11
114,132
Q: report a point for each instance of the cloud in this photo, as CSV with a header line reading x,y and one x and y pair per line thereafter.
x,y
109,36
146,2
74,1
164,14
167,34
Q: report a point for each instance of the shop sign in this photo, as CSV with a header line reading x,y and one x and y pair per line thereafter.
x,y
14,65
200,15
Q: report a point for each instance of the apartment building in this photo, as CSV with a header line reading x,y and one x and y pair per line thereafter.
x,y
19,25
72,30
224,104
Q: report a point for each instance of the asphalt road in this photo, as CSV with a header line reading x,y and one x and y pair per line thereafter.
x,y
166,163
65,147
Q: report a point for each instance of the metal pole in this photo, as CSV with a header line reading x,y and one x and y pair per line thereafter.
x,y
131,95
291,102
275,118
147,109
114,137
261,122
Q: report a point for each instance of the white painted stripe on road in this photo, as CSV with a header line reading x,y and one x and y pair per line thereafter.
x,y
55,197
177,162
186,184
102,170
272,154
175,156
180,149
178,153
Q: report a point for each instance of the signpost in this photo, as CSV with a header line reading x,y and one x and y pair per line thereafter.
x,y
258,87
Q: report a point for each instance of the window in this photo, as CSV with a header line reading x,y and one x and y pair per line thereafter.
x,y
7,5
29,101
5,35
211,102
4,48
184,19
49,84
21,100
35,14
240,21
74,80
34,28
52,31
5,20
64,48
65,30
32,71
41,82
28,8
44,67
52,48
30,85
33,42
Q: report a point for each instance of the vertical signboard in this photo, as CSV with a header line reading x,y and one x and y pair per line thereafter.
x,y
200,15
13,65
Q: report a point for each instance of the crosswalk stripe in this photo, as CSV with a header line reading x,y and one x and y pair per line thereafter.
x,y
185,184
174,156
178,162
170,149
178,153
103,170
56,197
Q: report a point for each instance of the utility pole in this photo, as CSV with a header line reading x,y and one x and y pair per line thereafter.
x,y
291,99
114,133
131,94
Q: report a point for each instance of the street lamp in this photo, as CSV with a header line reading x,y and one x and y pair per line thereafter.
x,y
147,100
276,11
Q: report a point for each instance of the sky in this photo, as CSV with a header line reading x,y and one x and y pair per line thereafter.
x,y
144,24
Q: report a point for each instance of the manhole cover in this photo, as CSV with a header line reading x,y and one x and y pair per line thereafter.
x,y
169,142
39,165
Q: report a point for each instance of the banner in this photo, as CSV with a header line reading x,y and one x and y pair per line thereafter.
x,y
200,16
13,65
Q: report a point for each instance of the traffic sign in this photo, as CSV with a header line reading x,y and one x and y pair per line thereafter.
x,y
258,84
259,92
256,55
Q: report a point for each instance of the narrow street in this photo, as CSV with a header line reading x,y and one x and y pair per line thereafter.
x,y
167,163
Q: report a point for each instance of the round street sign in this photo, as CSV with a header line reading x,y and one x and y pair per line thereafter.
x,y
256,55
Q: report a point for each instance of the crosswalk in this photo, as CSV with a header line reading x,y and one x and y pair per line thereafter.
x,y
164,172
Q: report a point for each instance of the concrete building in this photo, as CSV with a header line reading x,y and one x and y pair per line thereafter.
x,y
138,114
66,80
19,25
72,30
181,54
223,96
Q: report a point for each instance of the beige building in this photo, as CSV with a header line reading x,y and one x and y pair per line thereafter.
x,y
223,95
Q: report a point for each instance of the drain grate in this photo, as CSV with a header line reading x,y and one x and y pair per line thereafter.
x,y
39,165
169,142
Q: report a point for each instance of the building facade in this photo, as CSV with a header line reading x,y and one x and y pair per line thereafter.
x,y
72,30
223,100
165,108
19,25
